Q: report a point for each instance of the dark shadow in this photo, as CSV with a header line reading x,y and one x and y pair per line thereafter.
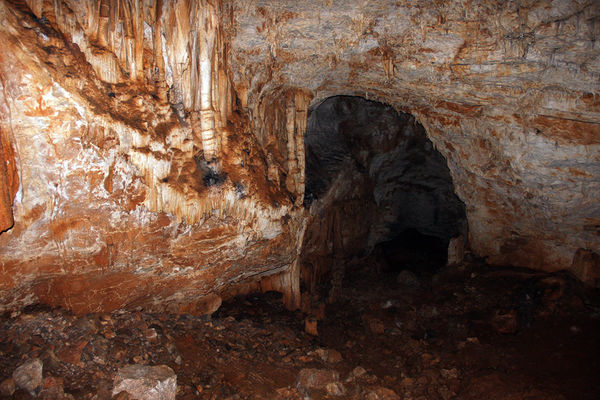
x,y
379,185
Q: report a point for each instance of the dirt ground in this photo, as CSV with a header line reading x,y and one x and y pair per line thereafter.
x,y
473,332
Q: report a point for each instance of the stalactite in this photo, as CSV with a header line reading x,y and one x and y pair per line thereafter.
x,y
302,100
206,57
181,138
188,56
159,61
292,161
153,166
193,66
103,23
280,128
9,181
287,283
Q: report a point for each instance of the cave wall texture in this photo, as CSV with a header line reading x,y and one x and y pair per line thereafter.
x,y
153,151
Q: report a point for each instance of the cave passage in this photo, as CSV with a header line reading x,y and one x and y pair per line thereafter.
x,y
377,187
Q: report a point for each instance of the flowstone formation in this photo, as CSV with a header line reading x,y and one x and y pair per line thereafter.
x,y
137,180
152,153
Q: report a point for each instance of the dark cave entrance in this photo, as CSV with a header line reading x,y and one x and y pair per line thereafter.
x,y
379,193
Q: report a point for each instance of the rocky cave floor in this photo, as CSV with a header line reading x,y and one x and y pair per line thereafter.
x,y
470,332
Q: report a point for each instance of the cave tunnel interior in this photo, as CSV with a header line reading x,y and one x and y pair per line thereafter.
x,y
391,189
185,213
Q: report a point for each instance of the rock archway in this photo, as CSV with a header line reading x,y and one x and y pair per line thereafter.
x,y
503,92
374,182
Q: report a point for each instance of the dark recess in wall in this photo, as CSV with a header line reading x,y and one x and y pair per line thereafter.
x,y
379,166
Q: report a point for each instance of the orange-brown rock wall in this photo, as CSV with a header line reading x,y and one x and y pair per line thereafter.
x,y
508,93
152,152
530,199
118,203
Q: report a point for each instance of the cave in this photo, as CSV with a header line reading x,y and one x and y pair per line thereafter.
x,y
376,186
227,199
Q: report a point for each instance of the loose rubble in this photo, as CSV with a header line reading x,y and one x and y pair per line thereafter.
x,y
470,333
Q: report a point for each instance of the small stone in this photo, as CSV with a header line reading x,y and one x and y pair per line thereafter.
x,y
356,373
72,353
312,378
407,382
376,326
54,389
382,393
103,388
335,389
575,329
51,382
146,382
108,333
206,305
287,393
105,319
122,396
29,376
506,323
310,326
446,393
329,355
449,373
408,279
7,387
586,267
151,335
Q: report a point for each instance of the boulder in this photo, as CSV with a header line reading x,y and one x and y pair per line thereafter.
x,y
312,378
145,382
28,376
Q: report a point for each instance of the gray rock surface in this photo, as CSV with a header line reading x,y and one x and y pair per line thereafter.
x,y
28,376
145,382
312,378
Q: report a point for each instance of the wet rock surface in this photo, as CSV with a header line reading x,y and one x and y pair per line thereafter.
x,y
473,332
